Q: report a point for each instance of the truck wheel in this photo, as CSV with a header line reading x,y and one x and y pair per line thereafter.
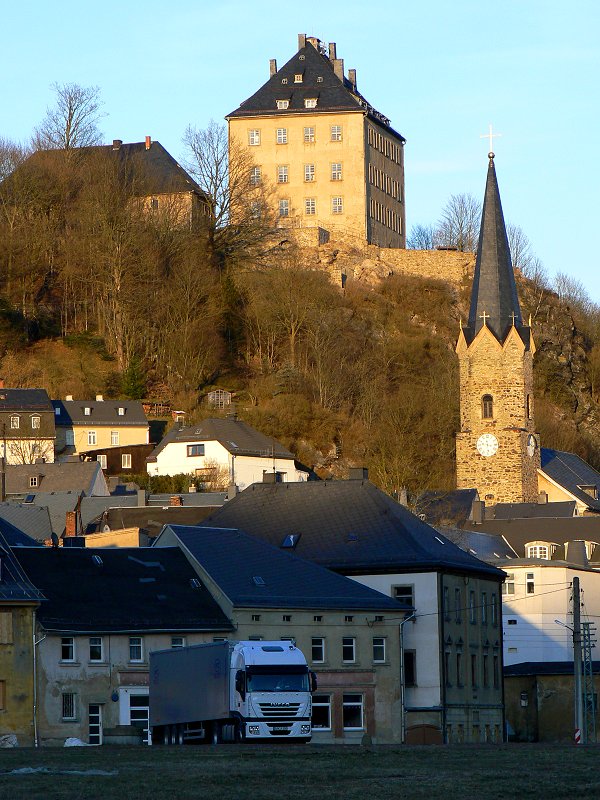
x,y
179,735
228,732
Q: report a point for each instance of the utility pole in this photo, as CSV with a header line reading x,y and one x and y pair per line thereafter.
x,y
580,732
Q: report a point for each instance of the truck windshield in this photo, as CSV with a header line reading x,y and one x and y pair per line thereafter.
x,y
277,682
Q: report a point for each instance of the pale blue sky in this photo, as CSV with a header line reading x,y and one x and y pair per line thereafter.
x,y
440,71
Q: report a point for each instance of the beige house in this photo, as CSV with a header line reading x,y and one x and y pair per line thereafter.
x,y
83,425
335,161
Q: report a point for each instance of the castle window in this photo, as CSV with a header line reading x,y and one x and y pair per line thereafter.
x,y
319,79
309,135
337,205
254,176
14,422
284,208
298,78
283,104
310,206
282,174
254,137
310,102
487,406
309,172
336,133
336,172
281,135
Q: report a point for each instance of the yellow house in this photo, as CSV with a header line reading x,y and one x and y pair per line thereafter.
x,y
83,425
335,161
18,602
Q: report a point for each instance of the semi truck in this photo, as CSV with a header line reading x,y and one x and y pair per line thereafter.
x,y
230,692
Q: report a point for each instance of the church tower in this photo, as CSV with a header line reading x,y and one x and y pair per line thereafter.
x,y
497,449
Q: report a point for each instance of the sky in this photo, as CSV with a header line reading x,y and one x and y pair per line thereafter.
x,y
441,71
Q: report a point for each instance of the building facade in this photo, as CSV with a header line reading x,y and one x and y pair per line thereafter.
x,y
27,431
334,160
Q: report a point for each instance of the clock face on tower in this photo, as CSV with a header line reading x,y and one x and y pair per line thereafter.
x,y
487,445
531,445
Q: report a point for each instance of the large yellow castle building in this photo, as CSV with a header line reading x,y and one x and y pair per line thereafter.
x,y
336,163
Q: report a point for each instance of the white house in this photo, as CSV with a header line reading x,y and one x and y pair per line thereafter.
x,y
223,452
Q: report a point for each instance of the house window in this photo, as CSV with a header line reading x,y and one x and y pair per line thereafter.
x,y
508,587
177,641
68,706
114,438
255,176
310,102
96,648
336,133
317,650
318,618
484,608
195,450
101,459
35,423
33,481
126,461
336,172
494,607
283,104
530,583
405,595
67,648
255,617
337,205
136,651
286,618
321,712
70,438
538,551
284,208
310,206
349,618
352,712
486,677
282,174
309,172
459,669
378,649
487,406
281,136
474,676
348,649
410,668
309,135
92,437
458,604
254,137
472,608
14,423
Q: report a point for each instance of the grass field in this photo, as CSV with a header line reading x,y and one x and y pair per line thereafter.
x,y
288,773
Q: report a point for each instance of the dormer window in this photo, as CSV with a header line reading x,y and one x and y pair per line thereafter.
x,y
15,423
310,102
283,104
319,79
87,411
35,422
121,411
33,482
284,81
57,411
537,551
487,406
298,78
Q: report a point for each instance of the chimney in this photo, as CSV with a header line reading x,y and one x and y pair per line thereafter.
x,y
542,498
332,51
358,474
71,524
352,78
117,144
338,68
192,489
99,398
232,490
69,397
141,497
175,500
301,40
272,67
478,511
148,142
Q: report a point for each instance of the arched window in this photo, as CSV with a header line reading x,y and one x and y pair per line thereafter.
x,y
487,406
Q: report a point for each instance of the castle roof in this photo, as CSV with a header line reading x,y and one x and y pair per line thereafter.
x,y
494,298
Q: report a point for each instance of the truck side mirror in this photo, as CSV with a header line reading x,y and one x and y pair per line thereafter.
x,y
240,683
313,682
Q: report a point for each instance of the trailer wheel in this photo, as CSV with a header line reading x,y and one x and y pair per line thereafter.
x,y
216,733
179,734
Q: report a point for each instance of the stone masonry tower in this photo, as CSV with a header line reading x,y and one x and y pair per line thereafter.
x,y
497,449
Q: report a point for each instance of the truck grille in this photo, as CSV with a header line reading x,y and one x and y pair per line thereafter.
x,y
271,711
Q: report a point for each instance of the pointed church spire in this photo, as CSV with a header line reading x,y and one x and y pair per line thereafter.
x,y
494,299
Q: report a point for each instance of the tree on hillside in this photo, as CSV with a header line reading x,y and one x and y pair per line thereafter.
x,y
73,120
11,155
459,224
422,237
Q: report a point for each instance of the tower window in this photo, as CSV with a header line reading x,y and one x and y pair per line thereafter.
x,y
487,406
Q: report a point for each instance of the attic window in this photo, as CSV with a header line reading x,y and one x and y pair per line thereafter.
x,y
290,541
258,581
284,81
57,411
319,79
29,499
298,78
33,481
121,411
87,411
283,104
310,102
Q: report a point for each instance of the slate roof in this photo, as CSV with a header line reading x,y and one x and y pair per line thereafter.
x,y
15,586
348,526
488,547
127,590
449,508
235,435
332,94
102,412
32,521
571,472
151,519
66,476
529,510
237,562
24,400
494,288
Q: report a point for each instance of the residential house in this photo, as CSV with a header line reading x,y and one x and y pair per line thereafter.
x,y
125,460
335,161
105,611
348,632
27,431
222,452
452,623
24,480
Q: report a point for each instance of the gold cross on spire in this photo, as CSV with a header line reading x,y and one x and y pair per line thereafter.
x,y
491,136
484,317
513,316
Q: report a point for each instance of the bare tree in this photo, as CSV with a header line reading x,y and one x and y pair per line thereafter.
x,y
459,224
574,293
12,154
72,121
422,237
